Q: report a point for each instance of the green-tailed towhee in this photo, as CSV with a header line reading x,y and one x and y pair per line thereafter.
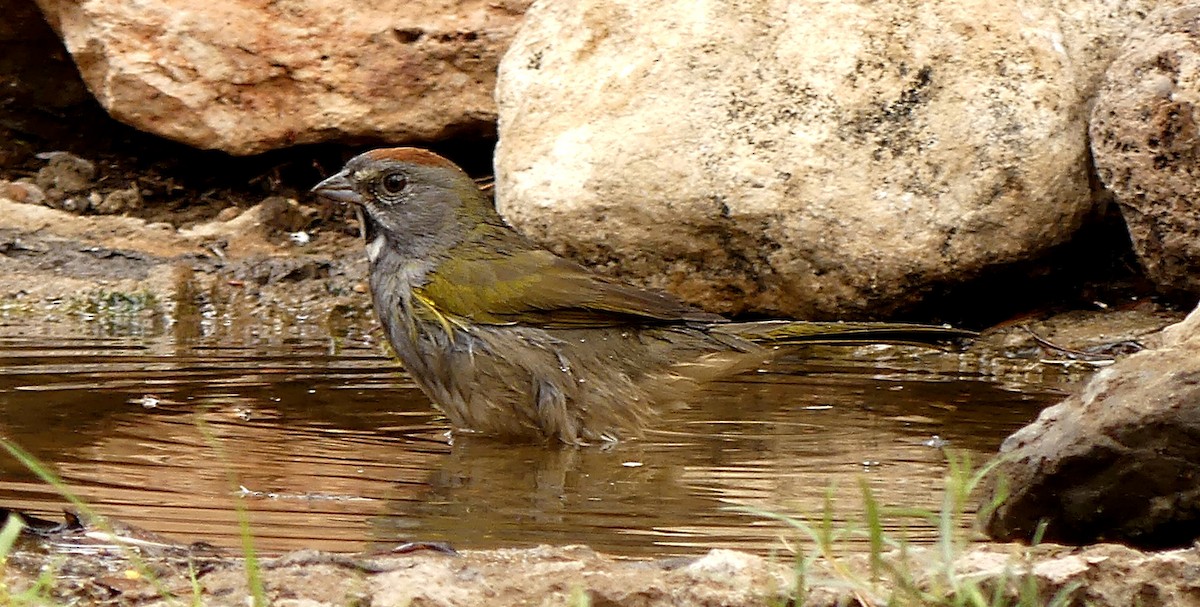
x,y
510,339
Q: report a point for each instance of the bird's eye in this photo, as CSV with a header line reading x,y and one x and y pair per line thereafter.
x,y
393,183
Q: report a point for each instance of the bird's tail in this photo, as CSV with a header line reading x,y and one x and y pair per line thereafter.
x,y
784,332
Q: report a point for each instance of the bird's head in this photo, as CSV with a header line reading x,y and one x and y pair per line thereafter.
x,y
417,202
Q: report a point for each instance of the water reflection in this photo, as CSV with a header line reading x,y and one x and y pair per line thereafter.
x,y
333,448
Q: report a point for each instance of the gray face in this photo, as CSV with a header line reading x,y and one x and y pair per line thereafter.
x,y
414,208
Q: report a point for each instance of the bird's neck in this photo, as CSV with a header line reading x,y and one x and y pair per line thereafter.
x,y
393,278
382,241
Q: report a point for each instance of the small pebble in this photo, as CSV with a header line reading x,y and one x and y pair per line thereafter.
x,y
228,213
120,201
73,204
64,174
22,191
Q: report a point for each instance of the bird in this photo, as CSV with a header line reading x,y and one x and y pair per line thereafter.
x,y
510,340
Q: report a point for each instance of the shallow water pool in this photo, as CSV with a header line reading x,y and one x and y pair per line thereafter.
x,y
332,447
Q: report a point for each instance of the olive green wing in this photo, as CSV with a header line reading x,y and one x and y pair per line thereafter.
x,y
537,287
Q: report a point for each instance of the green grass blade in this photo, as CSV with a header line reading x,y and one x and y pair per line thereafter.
x,y
254,579
874,528
8,537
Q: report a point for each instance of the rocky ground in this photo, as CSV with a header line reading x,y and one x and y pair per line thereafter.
x,y
144,572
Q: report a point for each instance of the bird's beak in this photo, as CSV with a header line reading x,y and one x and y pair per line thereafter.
x,y
337,188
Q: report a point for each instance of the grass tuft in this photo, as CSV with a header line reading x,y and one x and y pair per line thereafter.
x,y
900,575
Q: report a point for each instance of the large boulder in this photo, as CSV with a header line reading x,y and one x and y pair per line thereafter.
x,y
1119,461
246,76
1146,141
808,158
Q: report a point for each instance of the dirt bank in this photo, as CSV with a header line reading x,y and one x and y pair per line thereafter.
x,y
56,265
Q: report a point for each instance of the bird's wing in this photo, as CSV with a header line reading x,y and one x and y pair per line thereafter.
x,y
537,287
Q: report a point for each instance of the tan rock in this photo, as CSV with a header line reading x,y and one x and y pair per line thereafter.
x,y
1145,134
1182,331
809,158
245,77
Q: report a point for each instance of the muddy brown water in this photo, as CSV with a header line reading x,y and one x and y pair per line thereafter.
x,y
332,447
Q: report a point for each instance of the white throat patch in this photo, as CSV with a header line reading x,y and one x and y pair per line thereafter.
x,y
375,247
